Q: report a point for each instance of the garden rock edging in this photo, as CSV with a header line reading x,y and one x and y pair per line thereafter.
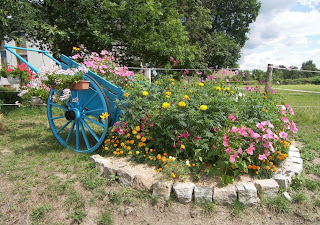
x,y
247,192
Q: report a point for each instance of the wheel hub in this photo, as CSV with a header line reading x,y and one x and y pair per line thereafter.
x,y
70,115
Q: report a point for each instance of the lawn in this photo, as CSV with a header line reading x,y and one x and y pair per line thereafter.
x,y
43,183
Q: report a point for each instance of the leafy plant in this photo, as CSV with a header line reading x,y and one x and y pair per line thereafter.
x,y
106,218
279,204
39,212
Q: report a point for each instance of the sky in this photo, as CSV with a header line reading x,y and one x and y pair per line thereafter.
x,y
286,32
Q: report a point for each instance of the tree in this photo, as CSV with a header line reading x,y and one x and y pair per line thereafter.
x,y
309,65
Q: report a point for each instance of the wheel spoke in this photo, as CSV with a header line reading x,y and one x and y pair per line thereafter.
x,y
90,130
92,97
58,106
93,121
77,135
95,110
84,136
64,126
57,117
70,132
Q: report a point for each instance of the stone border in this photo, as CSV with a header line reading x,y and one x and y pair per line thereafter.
x,y
247,192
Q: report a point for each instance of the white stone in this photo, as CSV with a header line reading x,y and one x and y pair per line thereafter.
x,y
294,160
289,167
162,189
126,177
143,182
225,195
183,192
268,187
294,154
247,193
292,148
203,193
283,180
287,196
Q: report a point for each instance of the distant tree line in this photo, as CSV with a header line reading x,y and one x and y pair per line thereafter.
x,y
291,74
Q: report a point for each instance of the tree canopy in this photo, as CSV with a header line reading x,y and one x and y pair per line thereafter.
x,y
195,32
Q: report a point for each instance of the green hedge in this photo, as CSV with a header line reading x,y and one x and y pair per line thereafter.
x,y
9,96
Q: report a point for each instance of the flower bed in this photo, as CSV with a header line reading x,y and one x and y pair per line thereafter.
x,y
210,127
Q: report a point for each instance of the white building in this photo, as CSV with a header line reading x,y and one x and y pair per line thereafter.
x,y
36,59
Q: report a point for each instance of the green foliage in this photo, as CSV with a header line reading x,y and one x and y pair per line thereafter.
x,y
39,212
79,215
238,207
299,197
115,197
279,204
106,218
8,95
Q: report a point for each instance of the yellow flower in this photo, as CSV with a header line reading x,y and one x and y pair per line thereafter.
x,y
186,97
137,152
130,153
232,92
191,91
217,88
137,128
181,104
173,175
157,82
126,95
172,83
104,115
132,142
182,146
138,136
76,49
134,132
145,93
143,139
128,148
228,89
171,79
201,84
168,93
165,105
203,107
106,148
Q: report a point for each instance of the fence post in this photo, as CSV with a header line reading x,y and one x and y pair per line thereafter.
x,y
269,75
147,73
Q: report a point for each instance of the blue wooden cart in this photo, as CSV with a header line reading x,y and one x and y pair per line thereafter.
x,y
76,122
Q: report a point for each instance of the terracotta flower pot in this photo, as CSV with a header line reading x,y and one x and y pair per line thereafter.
x,y
81,85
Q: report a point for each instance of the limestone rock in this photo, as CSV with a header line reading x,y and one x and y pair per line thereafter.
x,y
294,154
283,181
162,189
143,182
289,167
203,193
268,187
247,193
126,177
225,195
184,192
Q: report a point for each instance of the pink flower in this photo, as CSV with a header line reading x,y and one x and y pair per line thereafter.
x,y
250,149
233,157
174,146
236,72
228,150
283,134
225,141
285,120
186,135
286,106
273,92
293,127
261,82
291,111
9,70
240,151
231,117
196,138
262,157
242,131
234,129
227,80
186,71
171,59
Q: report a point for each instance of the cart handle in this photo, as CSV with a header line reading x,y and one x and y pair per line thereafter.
x,y
46,53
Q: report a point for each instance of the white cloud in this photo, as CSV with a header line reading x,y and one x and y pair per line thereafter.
x,y
283,37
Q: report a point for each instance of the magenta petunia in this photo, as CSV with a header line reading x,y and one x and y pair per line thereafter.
x,y
283,134
231,117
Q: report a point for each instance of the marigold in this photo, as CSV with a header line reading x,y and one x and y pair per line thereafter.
x,y
191,91
128,134
181,104
160,169
165,105
128,148
182,146
134,132
203,107
106,148
122,144
143,139
257,172
121,152
126,95
274,170
173,175
201,84
254,167
115,145
165,154
186,97
132,142
130,153
137,152
168,93
258,167
267,167
233,167
114,153
145,93
249,166
138,136
232,92
158,156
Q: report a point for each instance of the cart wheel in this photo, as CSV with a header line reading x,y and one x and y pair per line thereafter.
x,y
76,122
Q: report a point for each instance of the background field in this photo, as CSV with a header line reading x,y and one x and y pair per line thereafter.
x,y
42,183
